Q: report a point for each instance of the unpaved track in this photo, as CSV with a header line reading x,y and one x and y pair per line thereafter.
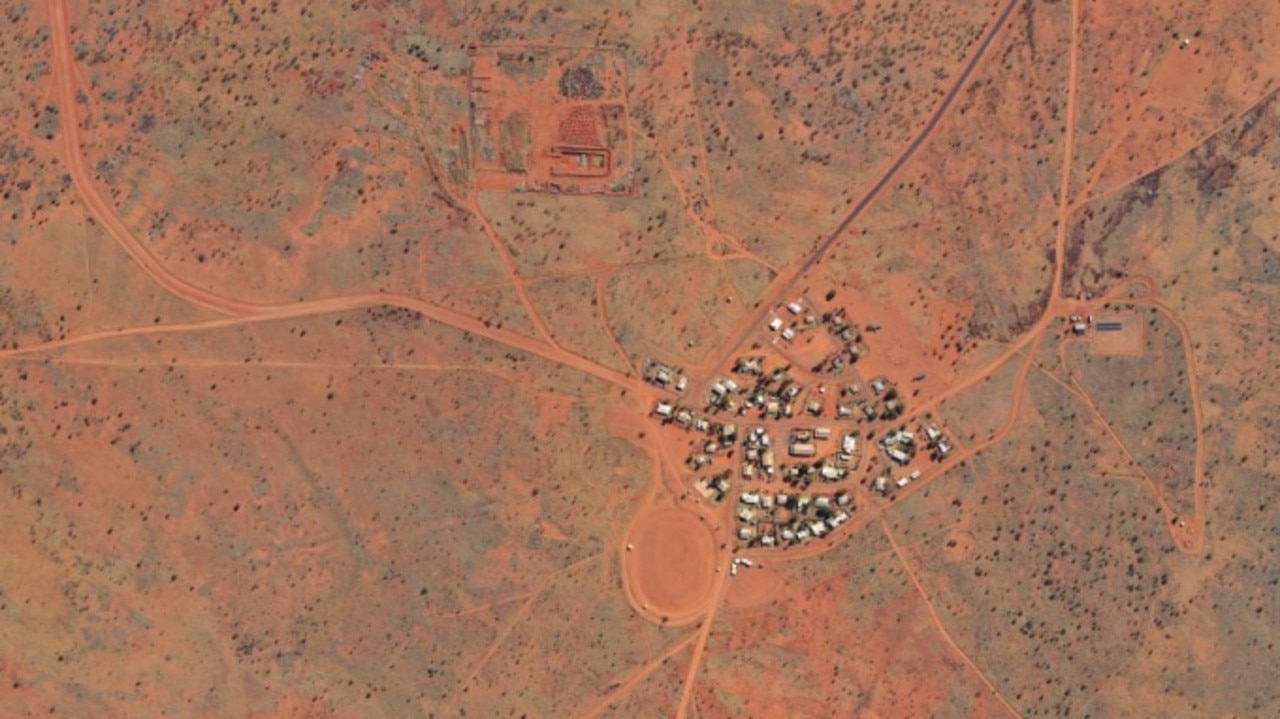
x,y
64,69
267,313
241,312
1084,198
785,283
695,662
636,678
937,620
602,311
1191,537
1056,304
64,75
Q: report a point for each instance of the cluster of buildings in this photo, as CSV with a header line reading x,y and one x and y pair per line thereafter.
x,y
665,376
802,319
806,444
777,395
765,436
851,347
768,519
787,329
1080,324
721,437
902,446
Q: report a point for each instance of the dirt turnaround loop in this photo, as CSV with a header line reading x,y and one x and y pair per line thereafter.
x,y
668,565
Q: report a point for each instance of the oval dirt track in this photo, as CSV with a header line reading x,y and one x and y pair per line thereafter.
x,y
670,569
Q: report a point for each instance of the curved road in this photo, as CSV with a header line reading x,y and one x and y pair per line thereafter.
x,y
238,310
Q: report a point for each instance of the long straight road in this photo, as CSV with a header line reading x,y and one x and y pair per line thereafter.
x,y
782,286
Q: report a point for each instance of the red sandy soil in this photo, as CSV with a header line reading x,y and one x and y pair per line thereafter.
x,y
753,586
669,571
348,465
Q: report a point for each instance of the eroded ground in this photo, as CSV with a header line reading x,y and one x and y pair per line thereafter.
x,y
327,338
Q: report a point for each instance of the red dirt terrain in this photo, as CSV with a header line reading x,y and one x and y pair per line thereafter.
x,y
639,360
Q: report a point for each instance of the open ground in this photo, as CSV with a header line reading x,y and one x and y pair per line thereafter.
x,y
339,351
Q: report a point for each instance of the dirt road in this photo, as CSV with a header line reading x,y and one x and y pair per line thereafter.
x,y
937,620
64,69
104,214
786,282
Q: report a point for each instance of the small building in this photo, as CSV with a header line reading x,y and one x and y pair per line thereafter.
x,y
746,534
746,514
1110,326
803,449
664,409
843,498
788,334
903,481
849,443
881,485
795,308
728,434
749,498
775,324
822,433
898,456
